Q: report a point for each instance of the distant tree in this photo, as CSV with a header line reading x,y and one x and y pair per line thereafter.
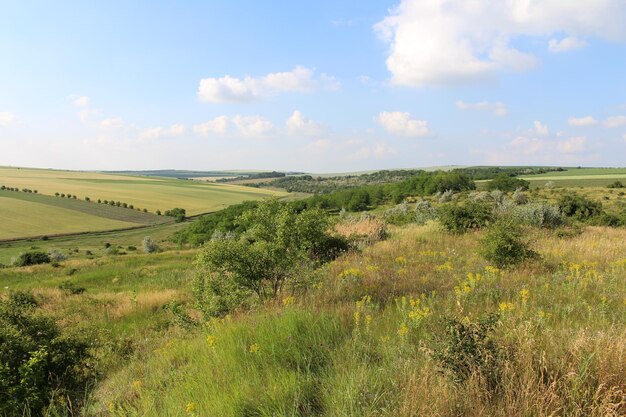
x,y
505,182
35,191
149,245
62,195
87,199
99,201
158,212
178,213
145,210
124,205
32,258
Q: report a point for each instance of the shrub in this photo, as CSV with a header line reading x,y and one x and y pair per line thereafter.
x,y
178,214
457,218
505,182
149,245
469,348
32,258
72,288
538,215
503,245
519,197
579,207
616,184
37,363
56,256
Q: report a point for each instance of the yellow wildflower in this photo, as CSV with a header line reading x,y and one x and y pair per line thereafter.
x,y
506,306
190,407
368,321
523,295
210,340
401,260
287,301
254,348
403,330
136,384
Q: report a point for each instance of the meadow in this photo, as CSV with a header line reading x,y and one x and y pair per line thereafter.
x,y
579,177
412,318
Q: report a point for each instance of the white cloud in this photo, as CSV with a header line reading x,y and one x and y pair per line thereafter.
x,y
231,89
572,145
497,108
112,123
253,126
442,42
400,124
7,119
566,44
540,129
297,124
582,121
377,151
82,101
160,132
219,126
615,121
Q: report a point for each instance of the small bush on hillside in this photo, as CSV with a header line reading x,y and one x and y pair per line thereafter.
x,y
469,349
72,288
519,197
149,245
32,258
37,363
56,256
505,182
504,246
177,213
457,218
579,207
538,215
616,184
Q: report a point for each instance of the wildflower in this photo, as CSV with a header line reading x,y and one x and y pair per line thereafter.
x,y
254,348
357,318
401,260
210,340
506,306
445,267
385,339
190,407
287,301
136,384
368,321
403,330
523,295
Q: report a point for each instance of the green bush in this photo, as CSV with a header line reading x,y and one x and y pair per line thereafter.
x,y
579,207
32,258
616,184
37,363
457,218
505,182
177,213
469,348
538,215
504,246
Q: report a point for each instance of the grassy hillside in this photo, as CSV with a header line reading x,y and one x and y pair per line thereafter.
x,y
579,177
143,192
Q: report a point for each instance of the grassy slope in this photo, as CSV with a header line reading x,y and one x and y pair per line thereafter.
x,y
316,357
142,192
26,218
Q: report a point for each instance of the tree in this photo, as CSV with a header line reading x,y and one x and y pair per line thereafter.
x,y
149,245
275,247
505,182
178,213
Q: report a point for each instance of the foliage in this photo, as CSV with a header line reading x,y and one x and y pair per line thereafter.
x,y
616,184
579,207
460,218
469,349
37,363
503,245
278,245
505,182
177,213
149,245
538,215
32,258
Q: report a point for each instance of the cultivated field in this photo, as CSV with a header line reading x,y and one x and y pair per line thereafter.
x,y
143,192
579,177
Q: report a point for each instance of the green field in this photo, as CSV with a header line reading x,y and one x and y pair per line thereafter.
x,y
579,177
28,215
143,192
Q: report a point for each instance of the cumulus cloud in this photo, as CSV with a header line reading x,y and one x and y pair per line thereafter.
x,y
219,126
230,89
7,119
497,108
442,42
160,132
615,121
378,150
566,44
582,121
297,124
255,127
82,101
401,124
572,145
540,128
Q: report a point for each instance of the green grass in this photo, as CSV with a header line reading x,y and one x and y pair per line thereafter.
x,y
22,218
76,247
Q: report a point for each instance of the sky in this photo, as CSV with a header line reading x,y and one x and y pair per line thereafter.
x,y
323,86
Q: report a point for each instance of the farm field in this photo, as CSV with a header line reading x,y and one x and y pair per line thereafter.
x,y
143,192
26,218
579,177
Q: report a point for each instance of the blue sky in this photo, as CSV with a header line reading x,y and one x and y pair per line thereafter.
x,y
315,86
